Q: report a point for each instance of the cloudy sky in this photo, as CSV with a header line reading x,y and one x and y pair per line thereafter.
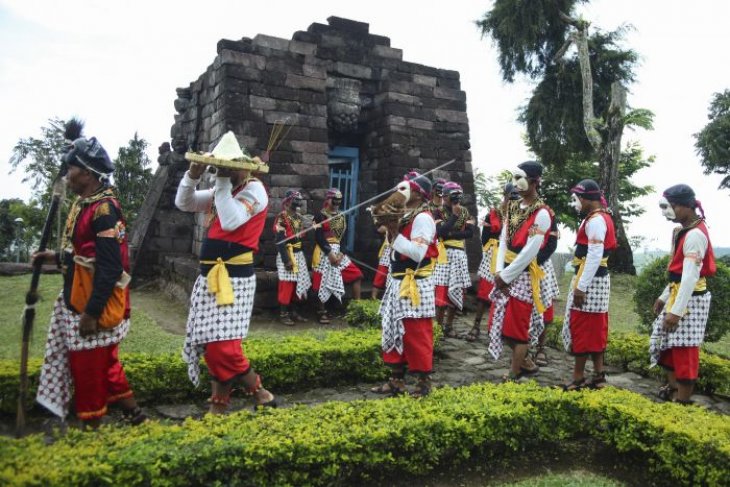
x,y
117,64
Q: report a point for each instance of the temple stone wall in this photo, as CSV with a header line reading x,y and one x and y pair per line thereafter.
x,y
336,85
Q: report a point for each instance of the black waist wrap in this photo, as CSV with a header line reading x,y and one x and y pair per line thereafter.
x,y
212,249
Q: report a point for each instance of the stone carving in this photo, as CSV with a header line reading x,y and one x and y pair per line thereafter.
x,y
344,105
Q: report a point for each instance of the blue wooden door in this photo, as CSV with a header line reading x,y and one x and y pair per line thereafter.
x,y
344,165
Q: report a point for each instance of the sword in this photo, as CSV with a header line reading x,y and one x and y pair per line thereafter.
x,y
350,210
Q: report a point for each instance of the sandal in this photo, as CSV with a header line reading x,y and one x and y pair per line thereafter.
x,y
576,385
134,416
274,403
473,334
449,332
423,388
683,402
394,387
666,392
540,358
324,319
285,319
512,377
528,366
598,381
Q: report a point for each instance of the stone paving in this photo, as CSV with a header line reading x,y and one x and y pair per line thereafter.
x,y
459,363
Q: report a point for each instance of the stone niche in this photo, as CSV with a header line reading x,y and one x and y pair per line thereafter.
x,y
337,85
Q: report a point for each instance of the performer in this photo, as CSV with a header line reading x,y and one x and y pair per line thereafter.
x,y
332,273
437,196
453,226
491,228
291,265
223,294
91,316
549,290
684,306
517,309
381,275
585,328
408,303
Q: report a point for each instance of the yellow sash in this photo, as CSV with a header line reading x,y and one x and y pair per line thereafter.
x,y
290,247
580,263
459,244
492,244
674,291
317,254
536,275
409,287
219,282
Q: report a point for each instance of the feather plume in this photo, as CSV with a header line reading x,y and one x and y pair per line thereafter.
x,y
72,129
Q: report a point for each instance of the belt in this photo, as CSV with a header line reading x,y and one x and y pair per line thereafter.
x,y
219,282
674,291
409,286
536,275
492,244
317,254
580,263
290,248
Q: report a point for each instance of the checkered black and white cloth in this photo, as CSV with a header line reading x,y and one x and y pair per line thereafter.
x,y
549,289
394,309
332,283
689,333
55,383
597,298
485,265
519,289
301,277
454,274
385,257
208,322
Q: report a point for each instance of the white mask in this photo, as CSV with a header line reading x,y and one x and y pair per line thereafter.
x,y
519,180
667,210
575,203
404,188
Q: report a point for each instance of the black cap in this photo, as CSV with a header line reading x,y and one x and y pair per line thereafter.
x,y
680,194
588,189
533,169
423,183
89,154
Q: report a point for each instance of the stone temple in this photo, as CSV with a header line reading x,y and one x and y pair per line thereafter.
x,y
360,116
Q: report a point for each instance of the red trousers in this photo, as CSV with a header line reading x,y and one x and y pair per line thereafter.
x,y
484,290
684,361
99,379
517,317
351,273
225,360
588,331
287,292
380,277
549,315
417,346
442,296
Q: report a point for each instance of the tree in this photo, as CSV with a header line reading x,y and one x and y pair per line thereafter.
x,y
132,176
20,228
713,141
578,110
489,189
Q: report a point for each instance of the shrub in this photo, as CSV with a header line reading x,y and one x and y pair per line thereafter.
x,y
289,363
344,443
652,281
364,313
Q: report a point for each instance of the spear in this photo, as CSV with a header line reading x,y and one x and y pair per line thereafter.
x,y
72,131
350,210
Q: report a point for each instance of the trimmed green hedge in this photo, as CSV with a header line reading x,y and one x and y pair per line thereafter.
x,y
364,313
292,362
341,443
630,351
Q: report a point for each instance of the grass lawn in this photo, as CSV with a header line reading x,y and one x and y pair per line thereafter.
x,y
578,478
145,335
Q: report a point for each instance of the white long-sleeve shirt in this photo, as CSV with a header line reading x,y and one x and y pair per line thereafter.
x,y
530,250
232,211
422,233
694,249
596,232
